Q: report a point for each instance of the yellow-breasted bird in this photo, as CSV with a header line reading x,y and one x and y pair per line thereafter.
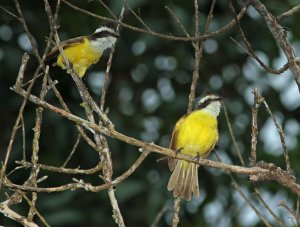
x,y
195,134
84,51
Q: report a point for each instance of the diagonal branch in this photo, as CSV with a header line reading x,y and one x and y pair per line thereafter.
x,y
280,35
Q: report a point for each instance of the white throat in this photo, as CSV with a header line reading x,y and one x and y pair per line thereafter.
x,y
213,108
101,44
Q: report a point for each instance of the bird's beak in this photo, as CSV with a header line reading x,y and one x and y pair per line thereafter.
x,y
219,98
116,35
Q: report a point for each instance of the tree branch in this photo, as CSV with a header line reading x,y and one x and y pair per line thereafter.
x,y
280,35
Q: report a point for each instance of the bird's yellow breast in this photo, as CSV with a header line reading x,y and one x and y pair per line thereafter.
x,y
196,133
81,56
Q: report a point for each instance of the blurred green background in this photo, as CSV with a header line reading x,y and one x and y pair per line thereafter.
x,y
148,93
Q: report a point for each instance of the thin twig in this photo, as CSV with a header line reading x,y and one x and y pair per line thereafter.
x,y
30,37
210,16
176,207
23,138
10,13
283,204
72,152
282,137
254,128
108,9
298,205
251,53
139,19
259,196
179,23
159,215
237,149
289,13
33,208
95,169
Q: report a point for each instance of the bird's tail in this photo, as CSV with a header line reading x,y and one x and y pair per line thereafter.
x,y
184,180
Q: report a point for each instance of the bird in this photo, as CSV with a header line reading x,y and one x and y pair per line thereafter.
x,y
84,51
194,134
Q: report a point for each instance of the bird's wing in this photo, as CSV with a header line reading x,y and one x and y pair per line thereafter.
x,y
64,44
172,161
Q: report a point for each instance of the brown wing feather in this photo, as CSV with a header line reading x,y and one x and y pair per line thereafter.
x,y
171,161
64,44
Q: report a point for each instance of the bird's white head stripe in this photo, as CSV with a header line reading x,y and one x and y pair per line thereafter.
x,y
211,104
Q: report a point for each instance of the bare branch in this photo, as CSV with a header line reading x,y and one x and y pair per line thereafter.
x,y
258,194
283,204
33,208
289,13
108,9
178,21
257,101
95,169
176,207
280,35
10,13
6,211
277,174
282,137
23,139
72,152
139,19
159,215
237,149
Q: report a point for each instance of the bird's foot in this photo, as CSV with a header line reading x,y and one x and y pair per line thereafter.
x,y
177,151
197,157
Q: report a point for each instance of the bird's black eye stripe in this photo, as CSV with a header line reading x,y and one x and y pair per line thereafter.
x,y
207,102
204,104
102,34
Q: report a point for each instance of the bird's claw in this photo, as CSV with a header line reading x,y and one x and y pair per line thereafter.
x,y
177,151
197,157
